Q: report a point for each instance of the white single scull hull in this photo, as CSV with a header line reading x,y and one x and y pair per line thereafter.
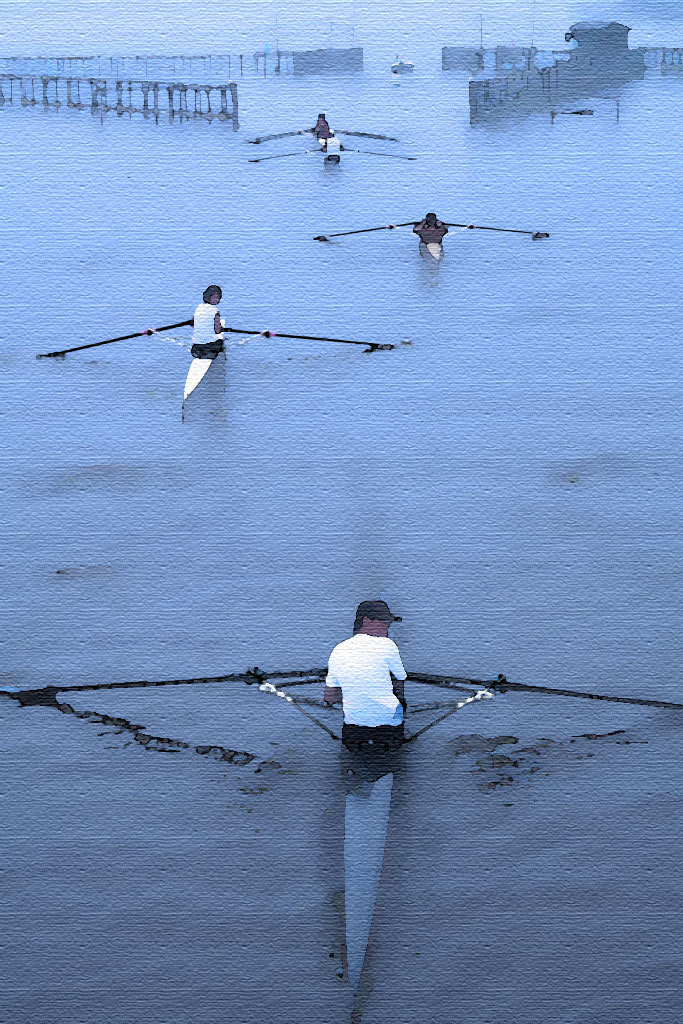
x,y
431,252
205,385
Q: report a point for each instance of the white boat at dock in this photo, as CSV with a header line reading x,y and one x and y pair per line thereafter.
x,y
402,67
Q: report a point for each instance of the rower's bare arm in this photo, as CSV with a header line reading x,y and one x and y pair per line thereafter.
x,y
333,694
217,325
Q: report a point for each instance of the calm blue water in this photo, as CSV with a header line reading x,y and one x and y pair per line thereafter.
x,y
511,481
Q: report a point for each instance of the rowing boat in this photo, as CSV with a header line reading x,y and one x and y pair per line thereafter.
x,y
204,386
431,252
369,778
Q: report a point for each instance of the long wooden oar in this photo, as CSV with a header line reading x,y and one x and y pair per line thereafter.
x,y
366,135
363,231
124,337
279,156
280,135
372,152
511,231
503,685
370,346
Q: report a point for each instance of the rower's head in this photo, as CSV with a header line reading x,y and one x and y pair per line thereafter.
x,y
321,117
213,294
374,618
430,220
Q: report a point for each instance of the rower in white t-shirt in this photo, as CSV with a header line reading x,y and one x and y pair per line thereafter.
x,y
360,675
207,335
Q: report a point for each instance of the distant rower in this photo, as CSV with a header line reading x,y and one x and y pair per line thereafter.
x,y
207,336
430,229
322,129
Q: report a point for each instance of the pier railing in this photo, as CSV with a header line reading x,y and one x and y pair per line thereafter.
x,y
211,68
666,58
102,95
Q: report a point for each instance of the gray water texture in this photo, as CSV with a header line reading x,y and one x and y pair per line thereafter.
x,y
511,481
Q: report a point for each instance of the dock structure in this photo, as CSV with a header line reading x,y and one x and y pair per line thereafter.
x,y
600,60
101,95
209,68
668,59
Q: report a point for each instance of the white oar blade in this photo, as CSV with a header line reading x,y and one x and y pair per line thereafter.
x,y
367,818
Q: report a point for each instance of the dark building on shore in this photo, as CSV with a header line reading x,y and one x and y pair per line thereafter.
x,y
602,50
599,60
328,61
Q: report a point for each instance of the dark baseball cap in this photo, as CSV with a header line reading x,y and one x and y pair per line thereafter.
x,y
378,610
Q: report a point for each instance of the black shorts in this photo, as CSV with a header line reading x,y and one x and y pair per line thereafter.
x,y
367,754
208,351
378,739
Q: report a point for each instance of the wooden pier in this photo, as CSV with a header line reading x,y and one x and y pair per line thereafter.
x,y
101,95
668,59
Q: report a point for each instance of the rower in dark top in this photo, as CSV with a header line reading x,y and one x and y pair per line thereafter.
x,y
322,130
430,229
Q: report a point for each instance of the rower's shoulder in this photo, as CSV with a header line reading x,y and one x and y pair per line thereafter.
x,y
344,644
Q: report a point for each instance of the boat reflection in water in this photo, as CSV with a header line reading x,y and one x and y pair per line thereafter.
x,y
369,779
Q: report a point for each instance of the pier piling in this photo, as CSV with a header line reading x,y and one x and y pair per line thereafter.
x,y
107,94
